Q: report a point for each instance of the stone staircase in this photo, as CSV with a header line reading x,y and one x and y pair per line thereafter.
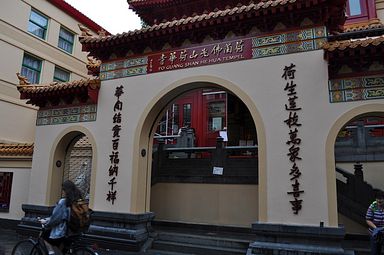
x,y
192,239
189,240
359,243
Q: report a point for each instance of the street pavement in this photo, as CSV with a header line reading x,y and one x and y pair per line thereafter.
x,y
9,238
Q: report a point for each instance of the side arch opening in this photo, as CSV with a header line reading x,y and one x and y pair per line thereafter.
x,y
73,159
353,141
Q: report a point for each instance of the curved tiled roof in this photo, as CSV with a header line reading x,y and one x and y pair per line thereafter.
x,y
150,2
353,43
191,22
16,149
55,86
372,24
39,95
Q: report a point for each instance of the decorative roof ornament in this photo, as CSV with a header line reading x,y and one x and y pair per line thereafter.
x,y
93,62
85,32
102,33
93,66
22,79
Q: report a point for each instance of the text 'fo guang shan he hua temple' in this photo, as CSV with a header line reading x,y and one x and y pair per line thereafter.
x,y
222,117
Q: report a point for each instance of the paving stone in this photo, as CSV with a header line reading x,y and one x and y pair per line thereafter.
x,y
8,239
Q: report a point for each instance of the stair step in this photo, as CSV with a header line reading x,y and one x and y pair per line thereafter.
x,y
364,251
160,252
215,241
195,248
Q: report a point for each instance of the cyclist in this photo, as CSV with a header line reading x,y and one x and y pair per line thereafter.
x,y
56,226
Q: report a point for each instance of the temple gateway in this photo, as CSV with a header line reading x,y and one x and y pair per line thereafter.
x,y
254,123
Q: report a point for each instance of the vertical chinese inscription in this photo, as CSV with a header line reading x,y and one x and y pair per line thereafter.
x,y
294,140
114,159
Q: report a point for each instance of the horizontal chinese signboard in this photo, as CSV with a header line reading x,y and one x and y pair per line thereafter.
x,y
199,56
216,53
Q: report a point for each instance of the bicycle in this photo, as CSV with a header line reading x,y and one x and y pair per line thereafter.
x,y
72,246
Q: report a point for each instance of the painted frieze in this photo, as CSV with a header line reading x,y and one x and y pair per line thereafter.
x,y
216,53
82,113
356,89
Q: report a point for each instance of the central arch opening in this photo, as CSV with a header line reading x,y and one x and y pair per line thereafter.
x,y
205,159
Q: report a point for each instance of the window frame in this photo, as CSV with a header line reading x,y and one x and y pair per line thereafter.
x,y
38,70
216,115
45,29
6,191
65,40
368,11
57,79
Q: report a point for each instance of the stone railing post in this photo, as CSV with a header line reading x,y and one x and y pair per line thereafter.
x,y
219,154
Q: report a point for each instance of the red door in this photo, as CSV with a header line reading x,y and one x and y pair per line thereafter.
x,y
214,113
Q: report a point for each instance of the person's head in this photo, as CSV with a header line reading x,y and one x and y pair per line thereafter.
x,y
71,192
67,186
380,198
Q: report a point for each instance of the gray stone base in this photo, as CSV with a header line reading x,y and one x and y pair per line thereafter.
x,y
8,224
276,239
29,224
118,231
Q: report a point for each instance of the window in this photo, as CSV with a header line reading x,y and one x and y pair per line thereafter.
x,y
175,119
5,190
61,75
354,7
187,115
216,117
31,68
66,40
361,10
38,24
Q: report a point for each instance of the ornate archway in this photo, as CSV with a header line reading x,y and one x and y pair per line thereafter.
x,y
330,153
73,158
141,184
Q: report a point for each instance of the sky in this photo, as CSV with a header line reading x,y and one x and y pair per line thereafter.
x,y
113,15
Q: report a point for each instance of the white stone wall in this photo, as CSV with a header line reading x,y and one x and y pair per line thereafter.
x,y
259,84
14,41
20,187
18,118
380,9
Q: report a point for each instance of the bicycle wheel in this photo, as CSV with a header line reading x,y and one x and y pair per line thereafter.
x,y
84,251
26,247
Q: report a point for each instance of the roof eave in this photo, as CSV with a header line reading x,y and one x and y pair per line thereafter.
x,y
76,14
94,44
